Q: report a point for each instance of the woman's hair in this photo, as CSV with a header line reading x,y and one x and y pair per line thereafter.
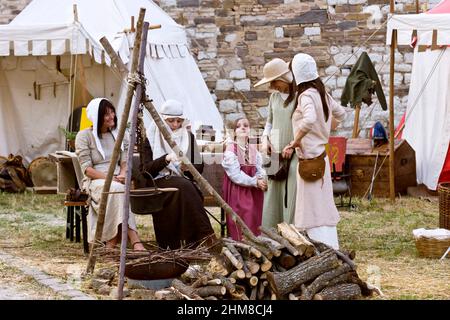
x,y
103,108
232,125
316,84
291,95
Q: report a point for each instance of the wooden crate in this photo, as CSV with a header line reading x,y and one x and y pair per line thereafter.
x,y
361,161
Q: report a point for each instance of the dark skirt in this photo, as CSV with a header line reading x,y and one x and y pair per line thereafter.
x,y
183,220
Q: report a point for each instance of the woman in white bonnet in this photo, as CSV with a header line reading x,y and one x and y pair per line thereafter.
x,y
279,199
315,210
183,220
94,147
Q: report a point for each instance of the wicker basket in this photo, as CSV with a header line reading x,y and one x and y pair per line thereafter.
x,y
444,205
431,247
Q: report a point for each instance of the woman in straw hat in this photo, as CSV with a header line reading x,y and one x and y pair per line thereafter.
x,y
312,120
279,200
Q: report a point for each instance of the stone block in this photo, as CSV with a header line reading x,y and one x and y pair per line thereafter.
x,y
266,2
242,85
227,106
312,31
238,74
187,3
279,32
224,85
332,70
251,36
230,37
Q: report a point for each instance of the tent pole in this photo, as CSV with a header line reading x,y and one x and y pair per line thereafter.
x,y
117,146
417,6
356,121
391,113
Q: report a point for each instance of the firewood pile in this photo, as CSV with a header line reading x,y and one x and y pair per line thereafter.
x,y
280,264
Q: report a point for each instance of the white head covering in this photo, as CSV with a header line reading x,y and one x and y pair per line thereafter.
x,y
92,114
304,68
169,109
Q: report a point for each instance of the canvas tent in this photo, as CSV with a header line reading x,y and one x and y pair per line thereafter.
x,y
427,120
45,51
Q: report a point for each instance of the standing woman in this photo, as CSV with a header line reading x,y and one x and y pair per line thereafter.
x,y
279,199
315,209
94,147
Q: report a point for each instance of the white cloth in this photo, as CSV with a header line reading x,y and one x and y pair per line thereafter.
x,y
232,168
309,117
304,68
432,233
114,210
327,235
427,125
92,115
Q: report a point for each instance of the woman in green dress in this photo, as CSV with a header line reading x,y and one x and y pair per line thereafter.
x,y
279,199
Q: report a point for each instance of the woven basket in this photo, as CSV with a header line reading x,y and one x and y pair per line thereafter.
x,y
444,205
432,247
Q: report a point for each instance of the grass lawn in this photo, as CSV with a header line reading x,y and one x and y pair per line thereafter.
x,y
33,227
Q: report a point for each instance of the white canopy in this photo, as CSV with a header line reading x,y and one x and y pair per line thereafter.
x,y
427,126
38,50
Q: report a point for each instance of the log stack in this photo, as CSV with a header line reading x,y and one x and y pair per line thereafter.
x,y
282,264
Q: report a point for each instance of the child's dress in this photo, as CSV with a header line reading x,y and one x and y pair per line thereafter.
x,y
242,169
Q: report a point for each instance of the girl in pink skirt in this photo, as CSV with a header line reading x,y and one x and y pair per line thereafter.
x,y
244,180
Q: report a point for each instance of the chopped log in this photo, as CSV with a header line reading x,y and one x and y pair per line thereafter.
x,y
286,260
263,249
211,298
309,246
266,264
345,258
219,265
238,256
252,266
278,268
214,282
238,274
239,294
343,291
271,243
263,276
255,252
186,290
323,281
211,291
200,282
292,296
284,282
261,288
254,293
235,262
366,290
253,281
228,283
272,233
293,237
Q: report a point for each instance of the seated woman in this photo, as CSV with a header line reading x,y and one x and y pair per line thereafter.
x,y
183,220
94,147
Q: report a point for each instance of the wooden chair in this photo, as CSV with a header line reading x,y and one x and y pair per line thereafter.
x,y
69,175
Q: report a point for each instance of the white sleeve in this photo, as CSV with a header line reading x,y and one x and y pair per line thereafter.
x,y
260,172
267,129
233,170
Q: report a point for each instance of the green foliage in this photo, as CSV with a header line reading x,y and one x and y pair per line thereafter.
x,y
70,135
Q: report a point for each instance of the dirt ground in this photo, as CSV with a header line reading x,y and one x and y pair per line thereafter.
x,y
33,228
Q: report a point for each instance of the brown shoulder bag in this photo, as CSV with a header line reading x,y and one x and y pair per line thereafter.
x,y
312,169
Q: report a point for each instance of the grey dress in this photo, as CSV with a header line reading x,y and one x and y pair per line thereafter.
x,y
274,210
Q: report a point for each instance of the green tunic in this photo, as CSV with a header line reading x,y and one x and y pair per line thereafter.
x,y
274,211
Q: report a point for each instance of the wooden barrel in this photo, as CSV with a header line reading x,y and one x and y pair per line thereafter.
x,y
43,172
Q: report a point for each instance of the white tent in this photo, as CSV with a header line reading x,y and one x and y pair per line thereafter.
x,y
45,51
427,126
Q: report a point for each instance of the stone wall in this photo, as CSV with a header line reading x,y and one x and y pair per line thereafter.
x,y
233,39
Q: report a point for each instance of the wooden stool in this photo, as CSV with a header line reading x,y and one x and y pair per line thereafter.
x,y
77,212
208,201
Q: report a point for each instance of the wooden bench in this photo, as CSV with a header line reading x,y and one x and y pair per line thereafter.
x,y
76,215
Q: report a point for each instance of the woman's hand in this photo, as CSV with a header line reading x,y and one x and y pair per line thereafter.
x,y
266,147
261,184
287,152
171,157
120,178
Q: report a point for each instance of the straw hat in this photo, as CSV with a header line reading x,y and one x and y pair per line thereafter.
x,y
272,70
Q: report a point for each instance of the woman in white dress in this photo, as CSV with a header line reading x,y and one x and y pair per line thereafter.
x,y
315,211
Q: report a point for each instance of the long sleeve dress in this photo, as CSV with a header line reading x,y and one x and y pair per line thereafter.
x,y
89,156
183,220
242,169
315,210
279,199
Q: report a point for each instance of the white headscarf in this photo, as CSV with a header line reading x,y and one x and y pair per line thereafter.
x,y
92,115
304,68
169,109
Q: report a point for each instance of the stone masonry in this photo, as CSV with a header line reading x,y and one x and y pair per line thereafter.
x,y
233,39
